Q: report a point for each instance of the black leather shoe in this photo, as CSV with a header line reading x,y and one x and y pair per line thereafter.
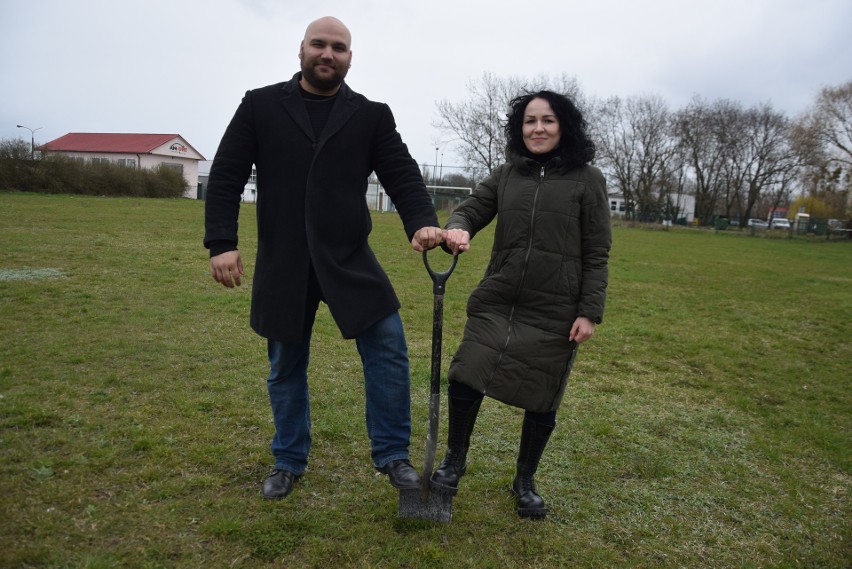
x,y
401,474
278,484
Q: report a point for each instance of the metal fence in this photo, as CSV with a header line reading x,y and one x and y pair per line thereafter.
x,y
814,228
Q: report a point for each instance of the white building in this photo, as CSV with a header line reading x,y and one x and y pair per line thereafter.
x,y
249,192
142,151
684,204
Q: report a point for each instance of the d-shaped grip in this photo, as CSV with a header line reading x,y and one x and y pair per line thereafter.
x,y
439,280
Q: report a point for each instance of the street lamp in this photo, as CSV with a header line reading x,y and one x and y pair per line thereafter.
x,y
32,139
435,169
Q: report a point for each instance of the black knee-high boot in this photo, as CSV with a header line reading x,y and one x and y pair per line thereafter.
x,y
462,415
534,437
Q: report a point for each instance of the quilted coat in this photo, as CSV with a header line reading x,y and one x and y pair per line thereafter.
x,y
548,266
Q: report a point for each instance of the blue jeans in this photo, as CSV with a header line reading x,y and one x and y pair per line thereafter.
x,y
384,357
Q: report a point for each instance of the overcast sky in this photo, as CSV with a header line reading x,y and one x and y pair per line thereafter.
x,y
182,66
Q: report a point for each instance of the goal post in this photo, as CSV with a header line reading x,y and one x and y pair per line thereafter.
x,y
448,198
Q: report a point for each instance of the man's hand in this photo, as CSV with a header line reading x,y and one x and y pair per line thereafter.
x,y
458,240
227,268
427,238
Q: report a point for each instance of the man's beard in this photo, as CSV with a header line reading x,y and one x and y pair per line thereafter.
x,y
322,83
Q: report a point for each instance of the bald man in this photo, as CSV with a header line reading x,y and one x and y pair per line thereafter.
x,y
315,143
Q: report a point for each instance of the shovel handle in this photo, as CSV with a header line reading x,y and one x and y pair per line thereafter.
x,y
439,280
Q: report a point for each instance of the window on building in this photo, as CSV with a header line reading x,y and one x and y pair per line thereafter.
x,y
100,160
613,206
127,162
253,177
175,167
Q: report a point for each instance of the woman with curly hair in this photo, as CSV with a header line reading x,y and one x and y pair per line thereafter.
x,y
544,288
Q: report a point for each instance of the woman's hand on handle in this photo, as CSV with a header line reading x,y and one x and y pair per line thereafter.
x,y
457,240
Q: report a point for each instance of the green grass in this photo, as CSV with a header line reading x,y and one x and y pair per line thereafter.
x,y
707,424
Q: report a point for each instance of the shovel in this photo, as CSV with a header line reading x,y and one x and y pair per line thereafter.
x,y
427,502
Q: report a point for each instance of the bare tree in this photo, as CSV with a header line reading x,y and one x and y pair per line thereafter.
x,y
768,163
636,146
15,165
14,149
476,124
700,132
822,137
651,119
736,156
780,192
829,123
756,155
617,148
459,181
731,139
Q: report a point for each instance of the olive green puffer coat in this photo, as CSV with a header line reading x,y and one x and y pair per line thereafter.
x,y
548,266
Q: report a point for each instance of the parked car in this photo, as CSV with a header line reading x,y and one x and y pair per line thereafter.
x,y
780,223
759,223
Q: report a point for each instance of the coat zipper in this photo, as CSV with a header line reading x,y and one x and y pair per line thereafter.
x,y
523,277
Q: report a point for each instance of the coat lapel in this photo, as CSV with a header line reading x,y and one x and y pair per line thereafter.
x,y
295,106
342,110
344,107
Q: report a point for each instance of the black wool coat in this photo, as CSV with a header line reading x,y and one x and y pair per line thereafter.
x,y
311,205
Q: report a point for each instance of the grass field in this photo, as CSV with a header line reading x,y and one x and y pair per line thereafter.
x,y
707,424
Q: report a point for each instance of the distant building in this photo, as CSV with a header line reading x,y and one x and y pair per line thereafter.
x,y
617,204
777,213
682,208
139,151
249,192
376,197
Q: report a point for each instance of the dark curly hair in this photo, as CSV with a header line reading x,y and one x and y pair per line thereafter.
x,y
575,146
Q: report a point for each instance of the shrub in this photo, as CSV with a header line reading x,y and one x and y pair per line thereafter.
x,y
14,148
61,175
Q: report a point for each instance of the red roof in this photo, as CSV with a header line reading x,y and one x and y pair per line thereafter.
x,y
109,142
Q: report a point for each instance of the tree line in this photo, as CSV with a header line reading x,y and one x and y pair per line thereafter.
x,y
736,161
